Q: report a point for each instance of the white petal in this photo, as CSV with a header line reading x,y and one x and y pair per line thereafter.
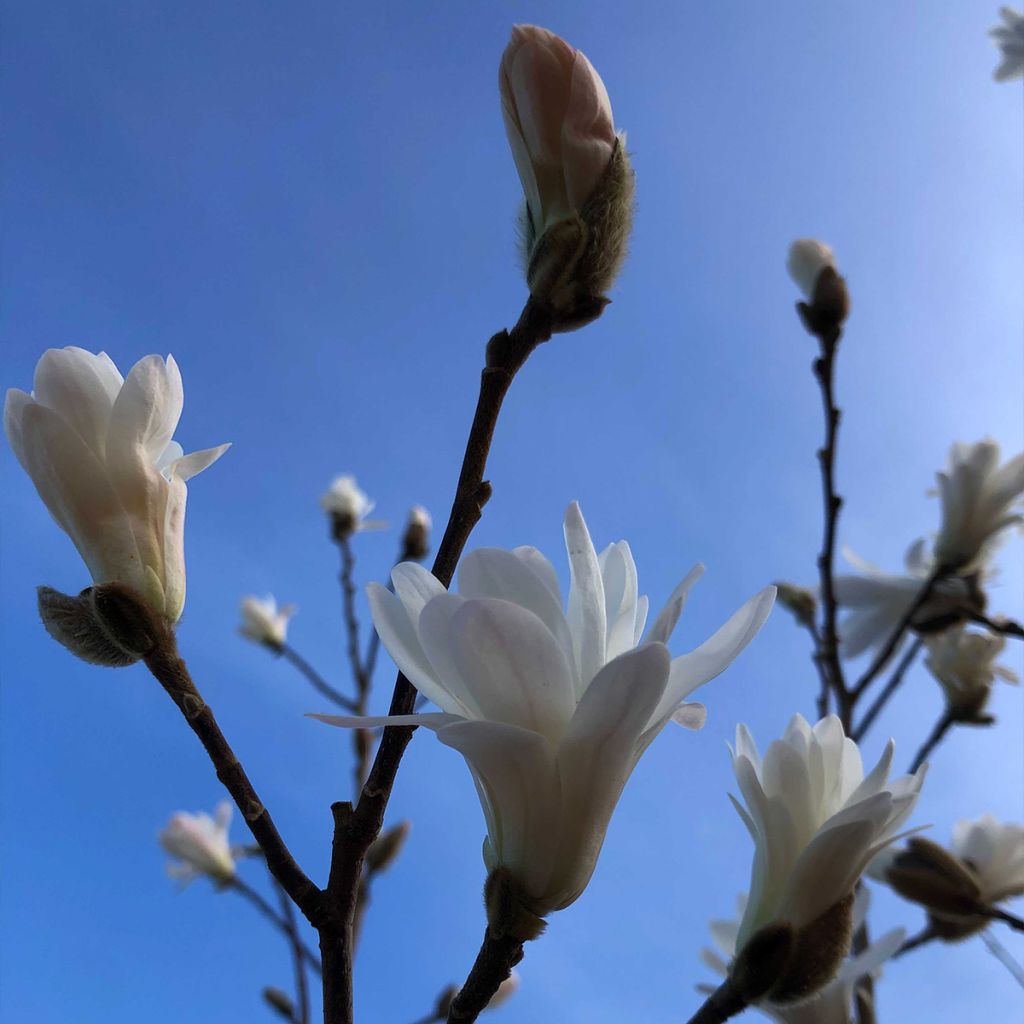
x,y
669,615
188,466
586,599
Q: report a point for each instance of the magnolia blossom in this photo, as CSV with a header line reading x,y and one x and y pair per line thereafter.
x,y
98,448
994,853
551,709
1009,37
878,600
264,622
559,123
980,499
833,1003
348,505
200,844
815,818
963,662
807,259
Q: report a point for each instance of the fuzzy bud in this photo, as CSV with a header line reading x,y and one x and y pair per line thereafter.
x,y
384,850
104,625
279,1002
800,601
927,874
762,961
507,908
416,539
817,954
812,267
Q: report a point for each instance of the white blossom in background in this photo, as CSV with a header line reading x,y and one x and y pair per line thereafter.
x,y
993,852
200,845
980,499
348,505
419,516
1009,37
551,709
506,990
807,259
832,1004
815,818
264,622
878,600
99,450
416,539
963,663
558,118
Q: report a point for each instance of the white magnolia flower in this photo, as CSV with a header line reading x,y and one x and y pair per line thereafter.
x,y
963,662
878,600
264,622
994,854
980,499
833,1003
807,259
200,843
1009,37
815,818
99,450
552,710
348,505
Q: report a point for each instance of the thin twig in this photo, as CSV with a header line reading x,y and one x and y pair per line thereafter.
x,y
942,726
319,683
279,921
299,954
889,648
922,938
1002,954
998,914
170,671
1001,627
493,964
827,659
890,688
355,829
720,1006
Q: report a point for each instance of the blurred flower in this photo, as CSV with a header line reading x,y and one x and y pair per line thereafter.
x,y
416,540
980,499
800,601
963,663
551,710
879,600
833,1003
1009,38
807,259
201,845
816,821
348,507
98,448
506,990
983,866
264,622
572,165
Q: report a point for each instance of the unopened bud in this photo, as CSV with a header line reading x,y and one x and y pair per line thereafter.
x,y
279,1002
343,525
800,601
508,911
818,952
107,624
444,1002
506,990
812,266
927,874
384,850
416,540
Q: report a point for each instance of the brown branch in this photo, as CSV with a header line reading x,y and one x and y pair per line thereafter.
x,y
1001,627
997,914
890,688
170,671
920,939
493,964
299,954
942,726
720,1006
356,829
318,682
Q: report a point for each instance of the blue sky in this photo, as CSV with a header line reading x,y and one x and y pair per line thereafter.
x,y
312,206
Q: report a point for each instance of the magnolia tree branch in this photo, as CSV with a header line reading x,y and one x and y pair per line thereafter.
x,y
922,938
356,828
890,688
493,964
942,726
723,1004
170,671
279,921
315,679
1001,627
299,954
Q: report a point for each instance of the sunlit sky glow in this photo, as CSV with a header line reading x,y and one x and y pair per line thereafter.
x,y
312,206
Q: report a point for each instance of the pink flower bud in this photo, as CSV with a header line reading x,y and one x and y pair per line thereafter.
x,y
559,123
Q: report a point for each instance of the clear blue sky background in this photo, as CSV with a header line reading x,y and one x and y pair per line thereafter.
x,y
312,206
